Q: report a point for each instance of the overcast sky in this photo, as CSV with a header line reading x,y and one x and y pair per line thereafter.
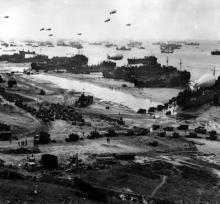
x,y
150,19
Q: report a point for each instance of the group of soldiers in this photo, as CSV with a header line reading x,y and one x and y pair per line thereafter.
x,y
22,143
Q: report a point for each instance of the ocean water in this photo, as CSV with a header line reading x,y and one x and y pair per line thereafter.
x,y
103,93
196,59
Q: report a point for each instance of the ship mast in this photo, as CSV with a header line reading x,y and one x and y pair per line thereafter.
x,y
180,64
167,61
214,70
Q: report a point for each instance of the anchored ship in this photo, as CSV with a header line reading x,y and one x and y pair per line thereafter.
x,y
215,52
123,48
192,43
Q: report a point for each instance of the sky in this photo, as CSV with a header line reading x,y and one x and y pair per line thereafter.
x,y
150,19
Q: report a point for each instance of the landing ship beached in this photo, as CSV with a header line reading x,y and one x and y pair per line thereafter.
x,y
205,90
23,57
150,74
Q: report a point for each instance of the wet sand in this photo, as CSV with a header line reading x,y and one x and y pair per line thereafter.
x,y
160,95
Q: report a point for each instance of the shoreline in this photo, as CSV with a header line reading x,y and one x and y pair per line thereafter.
x,y
159,95
169,151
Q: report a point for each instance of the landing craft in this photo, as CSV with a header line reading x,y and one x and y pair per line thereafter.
x,y
6,16
128,24
48,29
50,35
112,12
107,20
41,29
79,33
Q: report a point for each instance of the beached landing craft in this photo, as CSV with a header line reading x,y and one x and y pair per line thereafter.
x,y
205,90
149,74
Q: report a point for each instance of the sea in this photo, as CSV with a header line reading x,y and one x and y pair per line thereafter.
x,y
196,59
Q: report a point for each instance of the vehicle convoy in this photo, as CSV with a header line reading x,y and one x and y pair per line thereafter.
x,y
149,74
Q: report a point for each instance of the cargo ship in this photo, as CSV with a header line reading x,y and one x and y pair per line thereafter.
x,y
215,52
61,63
166,49
123,48
96,43
108,45
76,45
62,43
134,44
144,60
157,43
192,43
150,74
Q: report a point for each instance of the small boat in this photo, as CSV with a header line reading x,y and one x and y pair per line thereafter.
x,y
115,57
192,43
